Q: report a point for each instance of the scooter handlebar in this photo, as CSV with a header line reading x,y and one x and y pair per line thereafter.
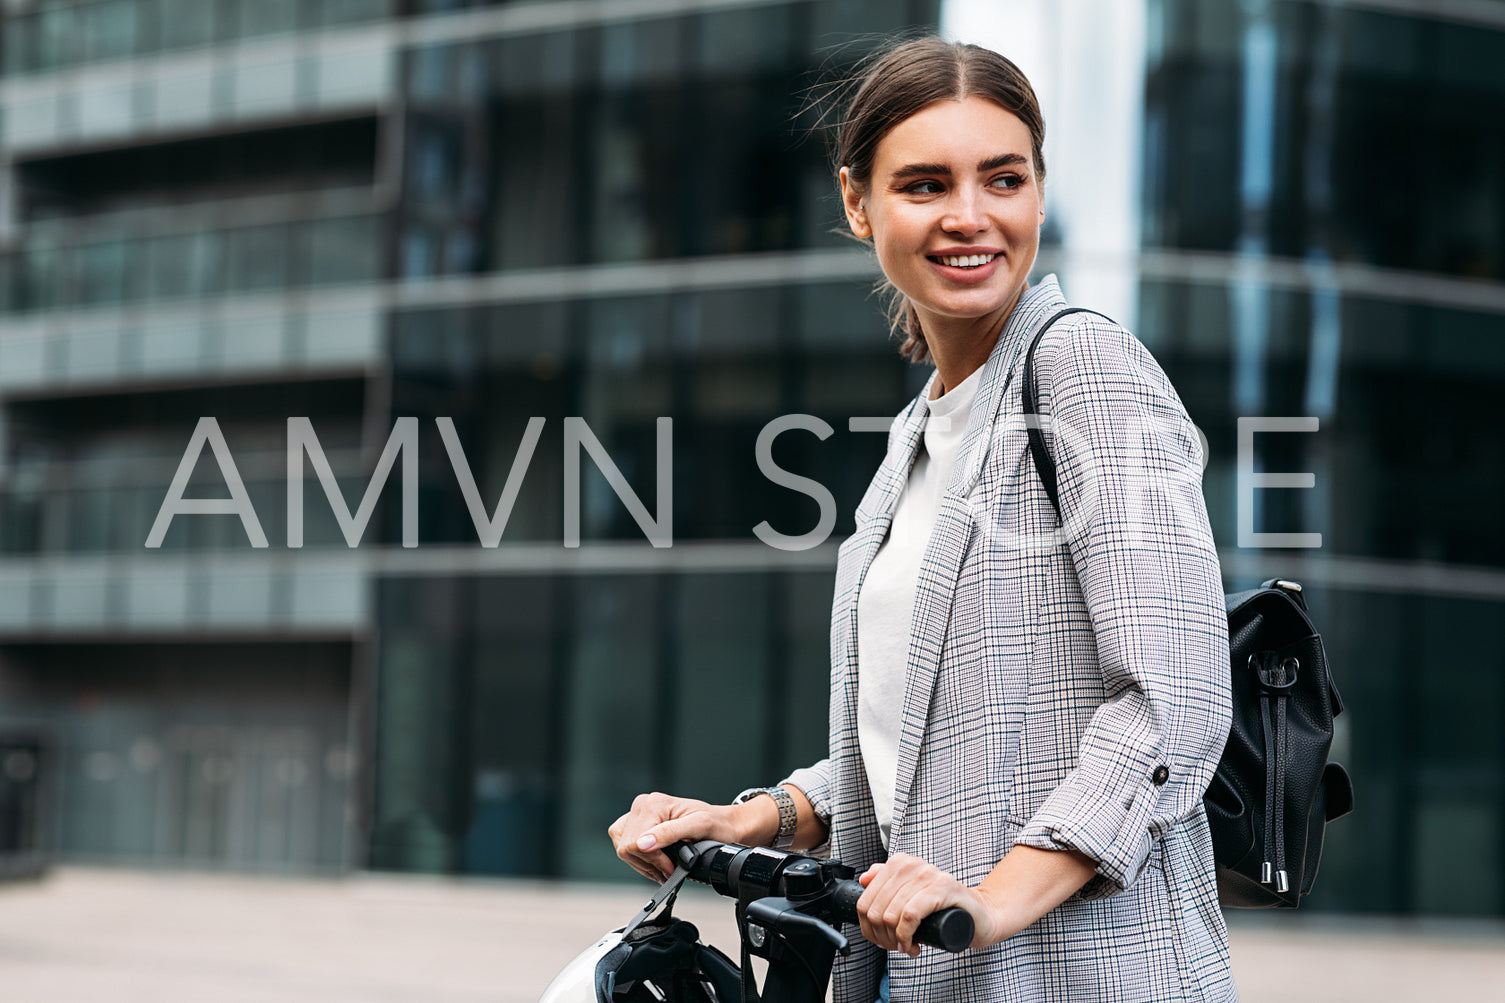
x,y
739,871
950,929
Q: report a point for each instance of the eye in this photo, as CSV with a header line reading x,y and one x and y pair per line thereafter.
x,y
923,188
1007,181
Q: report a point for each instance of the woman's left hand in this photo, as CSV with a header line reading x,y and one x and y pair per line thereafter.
x,y
904,890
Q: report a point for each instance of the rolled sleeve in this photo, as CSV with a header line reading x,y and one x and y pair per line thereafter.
x,y
1129,468
816,782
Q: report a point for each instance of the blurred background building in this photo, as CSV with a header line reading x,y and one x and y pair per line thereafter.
x,y
360,210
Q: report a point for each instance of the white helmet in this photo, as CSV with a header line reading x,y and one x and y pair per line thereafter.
x,y
648,962
576,982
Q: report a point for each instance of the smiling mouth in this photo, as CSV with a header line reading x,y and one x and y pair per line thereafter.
x,y
964,260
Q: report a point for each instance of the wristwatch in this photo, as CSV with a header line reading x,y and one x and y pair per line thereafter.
x,y
788,816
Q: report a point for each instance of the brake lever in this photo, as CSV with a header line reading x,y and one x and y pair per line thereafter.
x,y
782,915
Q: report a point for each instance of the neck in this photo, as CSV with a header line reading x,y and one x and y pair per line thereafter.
x,y
960,345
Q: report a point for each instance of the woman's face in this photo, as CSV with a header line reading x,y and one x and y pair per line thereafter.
x,y
954,210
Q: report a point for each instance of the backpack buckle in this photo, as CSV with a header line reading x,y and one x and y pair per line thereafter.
x,y
1276,674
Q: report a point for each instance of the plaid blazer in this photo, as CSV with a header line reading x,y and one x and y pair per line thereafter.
x,y
1067,683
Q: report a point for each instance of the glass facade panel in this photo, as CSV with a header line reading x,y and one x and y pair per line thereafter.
x,y
58,37
22,46
1428,766
552,700
51,274
615,668
54,272
66,34
721,699
1344,90
181,264
512,722
541,230
258,257
721,364
1391,484
333,12
665,138
185,23
101,272
44,282
268,17
111,29
343,249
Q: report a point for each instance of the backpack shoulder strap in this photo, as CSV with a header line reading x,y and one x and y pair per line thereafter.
x,y
1044,464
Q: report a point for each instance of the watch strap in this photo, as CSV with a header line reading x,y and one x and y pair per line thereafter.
x,y
788,814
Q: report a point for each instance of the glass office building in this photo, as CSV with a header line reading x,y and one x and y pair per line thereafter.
x,y
540,229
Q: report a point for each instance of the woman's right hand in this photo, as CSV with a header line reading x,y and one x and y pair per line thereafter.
x,y
656,821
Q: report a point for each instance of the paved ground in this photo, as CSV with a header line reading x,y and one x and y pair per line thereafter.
x,y
84,936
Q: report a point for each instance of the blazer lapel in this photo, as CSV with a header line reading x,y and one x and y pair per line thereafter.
x,y
928,628
998,377
951,537
874,515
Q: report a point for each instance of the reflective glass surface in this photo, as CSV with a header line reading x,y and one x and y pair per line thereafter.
x,y
721,364
64,268
550,701
56,36
665,138
1355,153
1352,134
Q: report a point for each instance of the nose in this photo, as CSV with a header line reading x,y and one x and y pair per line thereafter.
x,y
964,214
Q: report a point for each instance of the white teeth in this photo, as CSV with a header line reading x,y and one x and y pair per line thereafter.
x,y
967,260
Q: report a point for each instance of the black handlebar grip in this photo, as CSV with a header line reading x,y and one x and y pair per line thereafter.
x,y
950,929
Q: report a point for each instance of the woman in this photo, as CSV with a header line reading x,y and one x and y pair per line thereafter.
x,y
1023,719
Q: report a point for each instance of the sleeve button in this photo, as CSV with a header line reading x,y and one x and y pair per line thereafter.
x,y
1160,776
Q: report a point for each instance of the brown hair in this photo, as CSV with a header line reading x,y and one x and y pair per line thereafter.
x,y
898,82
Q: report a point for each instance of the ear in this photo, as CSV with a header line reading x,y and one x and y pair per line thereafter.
x,y
852,202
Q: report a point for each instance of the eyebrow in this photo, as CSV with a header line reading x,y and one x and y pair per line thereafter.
x,y
992,163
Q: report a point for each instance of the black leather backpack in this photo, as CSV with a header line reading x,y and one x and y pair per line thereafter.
x,y
1274,790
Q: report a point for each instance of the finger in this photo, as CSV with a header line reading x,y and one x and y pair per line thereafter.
x,y
874,933
658,844
868,878
695,825
870,931
646,870
625,830
655,866
882,890
644,864
872,908
906,891
926,889
868,934
922,903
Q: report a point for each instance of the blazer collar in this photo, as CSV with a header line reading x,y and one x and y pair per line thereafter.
x,y
1037,304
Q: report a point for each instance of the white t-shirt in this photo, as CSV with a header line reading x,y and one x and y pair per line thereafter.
x,y
885,606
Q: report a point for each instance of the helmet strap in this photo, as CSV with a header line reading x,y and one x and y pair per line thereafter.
x,y
664,898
